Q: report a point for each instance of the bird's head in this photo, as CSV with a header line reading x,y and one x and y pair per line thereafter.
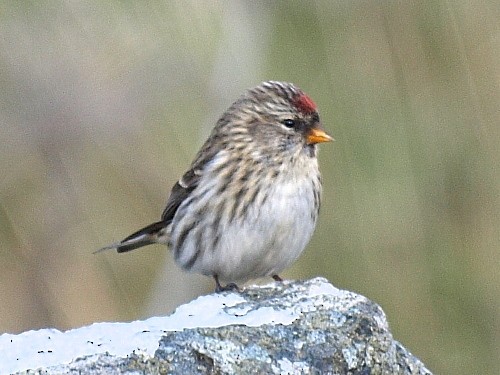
x,y
275,114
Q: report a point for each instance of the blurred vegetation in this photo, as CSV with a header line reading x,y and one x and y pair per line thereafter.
x,y
104,104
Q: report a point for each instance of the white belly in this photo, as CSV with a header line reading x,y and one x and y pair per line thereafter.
x,y
264,240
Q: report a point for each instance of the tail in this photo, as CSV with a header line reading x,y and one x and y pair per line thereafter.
x,y
154,233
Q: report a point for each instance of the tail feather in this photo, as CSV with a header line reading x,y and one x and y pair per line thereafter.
x,y
146,236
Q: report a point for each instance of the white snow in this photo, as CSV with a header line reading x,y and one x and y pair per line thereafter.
x,y
50,347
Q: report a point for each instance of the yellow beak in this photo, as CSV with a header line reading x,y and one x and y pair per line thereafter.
x,y
316,135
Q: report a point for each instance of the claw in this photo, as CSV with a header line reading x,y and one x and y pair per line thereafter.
x,y
231,287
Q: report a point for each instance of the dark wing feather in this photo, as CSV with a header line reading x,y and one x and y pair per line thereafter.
x,y
181,190
145,236
189,181
149,234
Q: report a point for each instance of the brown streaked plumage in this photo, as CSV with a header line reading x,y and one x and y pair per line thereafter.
x,y
248,205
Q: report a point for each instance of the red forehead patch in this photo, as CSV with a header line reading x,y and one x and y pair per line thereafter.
x,y
305,104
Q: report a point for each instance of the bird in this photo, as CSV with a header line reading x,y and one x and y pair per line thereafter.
x,y
248,205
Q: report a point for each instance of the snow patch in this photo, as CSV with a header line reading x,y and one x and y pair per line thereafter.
x,y
50,347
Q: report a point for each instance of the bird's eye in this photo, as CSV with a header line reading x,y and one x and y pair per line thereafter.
x,y
289,123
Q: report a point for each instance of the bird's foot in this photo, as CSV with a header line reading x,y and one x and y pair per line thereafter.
x,y
277,278
231,287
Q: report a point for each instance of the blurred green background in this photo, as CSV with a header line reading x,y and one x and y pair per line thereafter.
x,y
104,104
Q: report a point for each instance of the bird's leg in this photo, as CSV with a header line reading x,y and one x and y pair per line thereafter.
x,y
277,278
231,287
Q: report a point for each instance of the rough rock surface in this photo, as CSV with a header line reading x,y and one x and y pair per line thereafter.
x,y
299,327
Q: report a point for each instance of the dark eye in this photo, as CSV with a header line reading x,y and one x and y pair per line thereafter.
x,y
289,123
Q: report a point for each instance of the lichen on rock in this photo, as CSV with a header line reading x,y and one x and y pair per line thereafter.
x,y
294,327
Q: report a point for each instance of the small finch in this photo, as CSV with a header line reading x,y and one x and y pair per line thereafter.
x,y
248,205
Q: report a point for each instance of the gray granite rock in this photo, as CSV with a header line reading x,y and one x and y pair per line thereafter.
x,y
299,327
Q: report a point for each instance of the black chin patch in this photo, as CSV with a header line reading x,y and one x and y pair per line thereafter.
x,y
310,150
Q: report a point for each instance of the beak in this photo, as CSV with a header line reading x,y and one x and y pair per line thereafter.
x,y
316,135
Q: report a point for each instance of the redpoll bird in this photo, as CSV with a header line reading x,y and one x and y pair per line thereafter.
x,y
248,205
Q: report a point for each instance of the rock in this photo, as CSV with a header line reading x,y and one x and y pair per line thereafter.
x,y
295,327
